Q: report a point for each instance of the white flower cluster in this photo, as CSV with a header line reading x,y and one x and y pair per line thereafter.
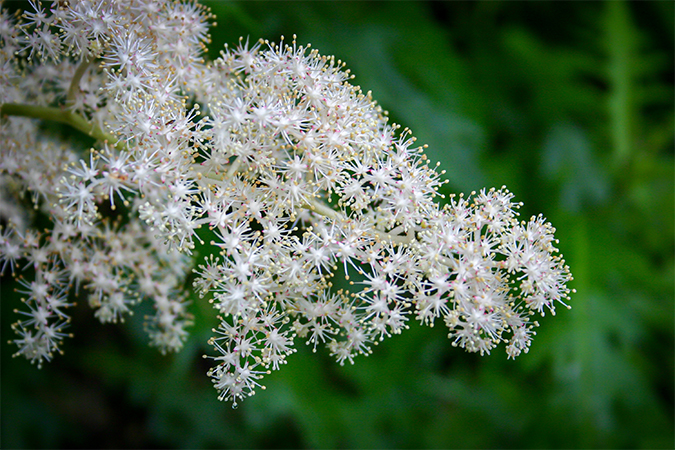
x,y
298,176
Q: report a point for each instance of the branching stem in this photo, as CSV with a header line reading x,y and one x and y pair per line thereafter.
x,y
59,114
75,83
315,206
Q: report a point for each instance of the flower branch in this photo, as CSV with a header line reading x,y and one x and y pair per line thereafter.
x,y
283,128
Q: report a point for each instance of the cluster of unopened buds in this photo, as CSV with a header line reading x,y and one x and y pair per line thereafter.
x,y
269,157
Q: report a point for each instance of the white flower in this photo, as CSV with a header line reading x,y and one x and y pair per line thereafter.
x,y
298,174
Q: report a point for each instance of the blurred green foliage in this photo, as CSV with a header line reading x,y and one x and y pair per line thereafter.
x,y
569,104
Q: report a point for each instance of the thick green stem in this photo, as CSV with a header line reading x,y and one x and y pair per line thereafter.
x,y
58,115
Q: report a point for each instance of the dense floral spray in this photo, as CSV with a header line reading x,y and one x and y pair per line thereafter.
x,y
297,175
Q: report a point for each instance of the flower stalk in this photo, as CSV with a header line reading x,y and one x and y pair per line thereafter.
x,y
56,114
296,171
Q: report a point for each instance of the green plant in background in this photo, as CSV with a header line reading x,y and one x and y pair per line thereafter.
x,y
503,95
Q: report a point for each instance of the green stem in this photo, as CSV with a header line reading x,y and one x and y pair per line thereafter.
x,y
75,82
321,208
59,115
316,206
622,54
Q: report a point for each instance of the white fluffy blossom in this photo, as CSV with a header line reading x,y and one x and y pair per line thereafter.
x,y
297,173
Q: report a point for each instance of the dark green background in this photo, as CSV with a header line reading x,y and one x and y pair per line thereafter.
x,y
569,104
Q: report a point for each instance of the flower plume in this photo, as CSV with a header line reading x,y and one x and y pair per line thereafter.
x,y
299,176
